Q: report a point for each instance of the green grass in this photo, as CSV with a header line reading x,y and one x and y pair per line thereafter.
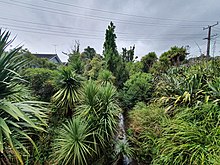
x,y
190,137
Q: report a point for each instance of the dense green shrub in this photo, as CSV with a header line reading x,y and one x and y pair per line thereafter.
x,y
137,88
41,81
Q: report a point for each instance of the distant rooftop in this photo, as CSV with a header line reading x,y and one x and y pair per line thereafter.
x,y
51,57
45,55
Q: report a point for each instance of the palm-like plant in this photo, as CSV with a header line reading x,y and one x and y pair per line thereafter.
x,y
105,76
75,143
88,100
122,152
18,120
99,107
68,94
107,112
8,64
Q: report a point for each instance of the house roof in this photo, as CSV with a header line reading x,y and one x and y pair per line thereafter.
x,y
50,57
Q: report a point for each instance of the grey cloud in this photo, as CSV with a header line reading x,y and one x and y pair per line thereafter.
x,y
152,35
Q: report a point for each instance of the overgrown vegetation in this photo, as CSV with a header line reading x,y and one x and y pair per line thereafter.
x,y
185,131
171,107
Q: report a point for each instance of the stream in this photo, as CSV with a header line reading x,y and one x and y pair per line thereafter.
x,y
122,137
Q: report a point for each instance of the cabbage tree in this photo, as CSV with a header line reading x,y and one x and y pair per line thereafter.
x,y
19,118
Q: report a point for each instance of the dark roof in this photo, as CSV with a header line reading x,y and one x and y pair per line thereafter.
x,y
48,56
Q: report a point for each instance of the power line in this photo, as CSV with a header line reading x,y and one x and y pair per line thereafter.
x,y
52,26
159,39
100,18
52,34
216,28
119,13
90,36
181,36
68,27
66,34
43,24
54,31
218,31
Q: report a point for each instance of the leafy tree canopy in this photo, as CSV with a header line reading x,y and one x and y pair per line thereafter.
x,y
92,67
134,67
88,53
128,55
175,55
148,61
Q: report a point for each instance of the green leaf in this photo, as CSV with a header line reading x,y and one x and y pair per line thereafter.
x,y
10,108
1,141
4,126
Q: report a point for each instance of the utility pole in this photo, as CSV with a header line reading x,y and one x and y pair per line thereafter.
x,y
209,38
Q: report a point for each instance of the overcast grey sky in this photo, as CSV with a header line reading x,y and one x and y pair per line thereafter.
x,y
152,25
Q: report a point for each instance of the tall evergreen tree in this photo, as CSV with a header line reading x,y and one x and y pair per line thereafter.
x,y
114,61
110,49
